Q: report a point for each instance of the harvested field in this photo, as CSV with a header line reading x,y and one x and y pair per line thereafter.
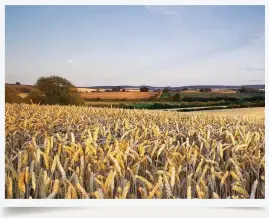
x,y
23,95
190,91
118,95
133,90
224,91
88,90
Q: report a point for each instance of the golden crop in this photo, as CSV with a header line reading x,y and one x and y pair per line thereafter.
x,y
82,152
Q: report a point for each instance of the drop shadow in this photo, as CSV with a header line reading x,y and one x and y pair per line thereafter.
x,y
241,208
18,211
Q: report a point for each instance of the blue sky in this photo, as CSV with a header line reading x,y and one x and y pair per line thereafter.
x,y
136,45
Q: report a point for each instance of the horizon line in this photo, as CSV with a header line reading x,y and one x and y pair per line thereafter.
x,y
263,84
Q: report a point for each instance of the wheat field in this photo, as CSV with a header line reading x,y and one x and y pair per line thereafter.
x,y
69,152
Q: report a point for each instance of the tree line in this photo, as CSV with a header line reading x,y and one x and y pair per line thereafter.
x,y
57,90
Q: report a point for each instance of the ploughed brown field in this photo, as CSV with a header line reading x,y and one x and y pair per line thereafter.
x,y
118,95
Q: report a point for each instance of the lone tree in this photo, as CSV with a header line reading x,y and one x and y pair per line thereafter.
x,y
58,90
166,90
144,89
18,83
116,89
245,89
205,90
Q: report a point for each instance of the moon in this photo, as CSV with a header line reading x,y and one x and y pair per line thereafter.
x,y
70,61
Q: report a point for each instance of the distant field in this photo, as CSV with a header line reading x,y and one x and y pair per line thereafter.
x,y
23,95
208,94
133,90
215,91
102,90
89,90
190,91
20,88
212,94
224,91
118,95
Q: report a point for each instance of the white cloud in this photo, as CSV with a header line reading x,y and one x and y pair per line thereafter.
x,y
163,10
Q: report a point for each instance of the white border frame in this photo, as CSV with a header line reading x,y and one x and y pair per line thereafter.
x,y
136,202
246,203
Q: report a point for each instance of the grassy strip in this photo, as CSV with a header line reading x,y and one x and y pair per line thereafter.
x,y
171,105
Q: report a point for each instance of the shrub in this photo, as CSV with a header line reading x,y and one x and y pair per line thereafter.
x,y
35,97
176,97
166,90
205,90
23,89
245,89
116,89
144,89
